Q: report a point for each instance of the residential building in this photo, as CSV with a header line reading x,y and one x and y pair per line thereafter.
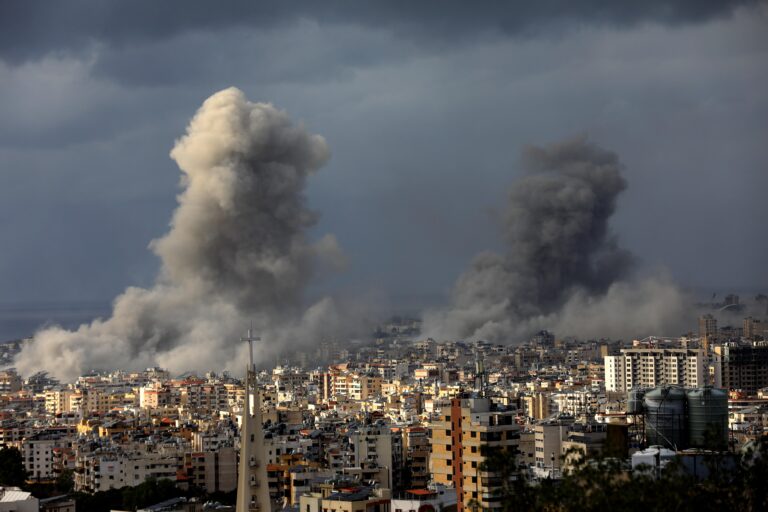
x,y
743,366
650,367
462,440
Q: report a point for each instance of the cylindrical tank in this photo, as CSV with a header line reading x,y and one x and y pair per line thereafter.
x,y
665,419
708,418
635,401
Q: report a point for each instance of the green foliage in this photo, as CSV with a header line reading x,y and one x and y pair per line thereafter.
x,y
604,485
65,482
12,472
149,492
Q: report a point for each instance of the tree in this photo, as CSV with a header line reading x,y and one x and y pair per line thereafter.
x,y
734,483
12,472
65,482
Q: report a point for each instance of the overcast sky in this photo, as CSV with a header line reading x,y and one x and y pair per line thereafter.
x,y
425,108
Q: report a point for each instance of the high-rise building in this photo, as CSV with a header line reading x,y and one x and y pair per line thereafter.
x,y
743,366
651,367
707,329
462,441
755,329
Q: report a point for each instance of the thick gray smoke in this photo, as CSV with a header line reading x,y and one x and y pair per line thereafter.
x,y
236,252
564,269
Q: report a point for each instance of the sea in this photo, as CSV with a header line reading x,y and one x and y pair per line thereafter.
x,y
18,321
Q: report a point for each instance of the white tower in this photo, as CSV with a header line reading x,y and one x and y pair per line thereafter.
x,y
252,488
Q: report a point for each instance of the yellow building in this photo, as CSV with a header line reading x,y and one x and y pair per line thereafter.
x,y
460,443
351,499
536,405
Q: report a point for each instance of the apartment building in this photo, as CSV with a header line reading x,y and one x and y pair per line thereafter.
x,y
742,366
37,452
650,367
212,471
378,447
462,440
116,469
10,382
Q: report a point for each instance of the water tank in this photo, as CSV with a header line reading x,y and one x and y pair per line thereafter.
x,y
635,401
708,418
665,419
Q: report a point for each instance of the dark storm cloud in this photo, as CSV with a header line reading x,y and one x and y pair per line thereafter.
x,y
422,111
31,29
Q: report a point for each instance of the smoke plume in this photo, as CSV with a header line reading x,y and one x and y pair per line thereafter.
x,y
236,252
564,269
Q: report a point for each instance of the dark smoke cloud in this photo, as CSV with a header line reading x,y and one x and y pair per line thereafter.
x,y
31,28
236,252
564,268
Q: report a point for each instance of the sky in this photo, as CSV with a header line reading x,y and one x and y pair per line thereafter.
x,y
425,108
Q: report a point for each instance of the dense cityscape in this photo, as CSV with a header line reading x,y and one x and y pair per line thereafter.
x,y
398,424
383,256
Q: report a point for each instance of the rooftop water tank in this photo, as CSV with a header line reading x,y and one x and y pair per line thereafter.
x,y
708,418
665,419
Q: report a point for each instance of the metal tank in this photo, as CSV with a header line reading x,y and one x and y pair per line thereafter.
x,y
665,418
708,418
635,401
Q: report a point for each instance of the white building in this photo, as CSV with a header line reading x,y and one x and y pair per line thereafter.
x,y
37,451
13,499
377,447
101,472
651,367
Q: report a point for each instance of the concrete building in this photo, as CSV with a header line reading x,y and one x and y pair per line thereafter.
x,y
651,367
743,366
416,457
707,329
105,471
212,471
436,498
10,382
346,499
379,447
37,451
755,329
13,499
536,406
462,440
548,443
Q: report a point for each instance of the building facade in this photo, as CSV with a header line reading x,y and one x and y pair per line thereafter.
x,y
462,440
651,367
